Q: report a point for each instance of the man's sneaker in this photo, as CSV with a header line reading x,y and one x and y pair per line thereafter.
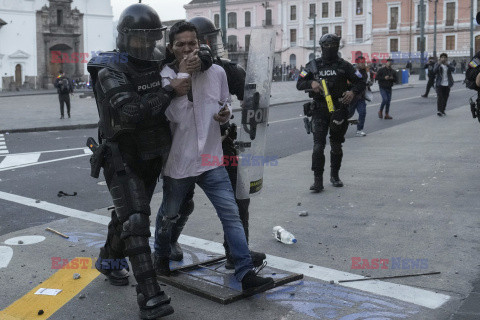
x,y
387,116
62,117
257,260
380,114
176,252
161,265
360,133
444,114
424,96
439,114
252,282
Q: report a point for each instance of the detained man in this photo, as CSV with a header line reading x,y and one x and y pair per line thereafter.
x,y
195,120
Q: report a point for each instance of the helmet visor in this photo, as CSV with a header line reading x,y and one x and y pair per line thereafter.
x,y
214,41
140,43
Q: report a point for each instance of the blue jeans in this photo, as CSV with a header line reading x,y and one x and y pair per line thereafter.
x,y
216,185
361,107
386,98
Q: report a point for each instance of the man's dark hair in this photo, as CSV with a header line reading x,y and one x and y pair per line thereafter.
x,y
61,71
391,60
359,59
443,55
180,27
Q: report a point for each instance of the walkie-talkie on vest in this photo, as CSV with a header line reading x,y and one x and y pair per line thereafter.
x,y
328,97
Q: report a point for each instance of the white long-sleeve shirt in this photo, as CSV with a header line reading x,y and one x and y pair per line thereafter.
x,y
194,131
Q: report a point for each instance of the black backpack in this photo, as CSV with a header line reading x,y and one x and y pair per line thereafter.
x,y
64,85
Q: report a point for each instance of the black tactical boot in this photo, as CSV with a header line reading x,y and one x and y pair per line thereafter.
x,y
257,260
176,252
317,185
335,180
152,307
252,282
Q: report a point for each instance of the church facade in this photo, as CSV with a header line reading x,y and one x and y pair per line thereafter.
x,y
38,38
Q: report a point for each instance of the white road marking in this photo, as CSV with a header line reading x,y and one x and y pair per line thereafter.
x,y
26,240
17,160
41,162
368,106
408,294
6,254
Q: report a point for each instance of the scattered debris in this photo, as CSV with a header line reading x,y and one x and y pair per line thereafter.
x,y
332,282
299,204
310,267
37,201
82,296
40,312
392,277
335,226
20,242
76,276
64,194
454,235
56,232
303,213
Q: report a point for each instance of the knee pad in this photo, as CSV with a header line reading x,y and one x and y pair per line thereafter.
x,y
138,224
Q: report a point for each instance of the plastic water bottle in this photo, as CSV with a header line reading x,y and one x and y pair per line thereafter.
x,y
283,235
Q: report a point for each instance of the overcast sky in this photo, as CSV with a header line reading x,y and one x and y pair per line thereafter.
x,y
166,9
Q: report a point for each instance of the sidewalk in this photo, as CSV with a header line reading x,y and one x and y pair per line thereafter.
x,y
40,112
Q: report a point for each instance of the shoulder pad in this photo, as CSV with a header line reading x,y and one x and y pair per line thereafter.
x,y
111,59
311,66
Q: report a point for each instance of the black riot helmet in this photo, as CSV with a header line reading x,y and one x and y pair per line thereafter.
x,y
329,43
139,28
208,34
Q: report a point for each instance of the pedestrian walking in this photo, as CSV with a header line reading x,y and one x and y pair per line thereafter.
x,y
65,89
444,81
431,76
386,77
360,104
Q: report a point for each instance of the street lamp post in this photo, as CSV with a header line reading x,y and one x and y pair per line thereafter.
x,y
435,31
422,41
223,20
314,17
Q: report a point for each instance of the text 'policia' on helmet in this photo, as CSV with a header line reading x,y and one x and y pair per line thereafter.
x,y
139,28
208,34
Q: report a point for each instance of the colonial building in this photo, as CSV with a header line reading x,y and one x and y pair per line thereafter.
x,y
396,28
40,37
293,22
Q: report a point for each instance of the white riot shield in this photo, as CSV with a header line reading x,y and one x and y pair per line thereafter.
x,y
253,129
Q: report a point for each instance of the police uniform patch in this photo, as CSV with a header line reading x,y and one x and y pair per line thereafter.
x,y
474,63
303,74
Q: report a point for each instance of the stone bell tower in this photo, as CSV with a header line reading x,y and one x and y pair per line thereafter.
x,y
59,41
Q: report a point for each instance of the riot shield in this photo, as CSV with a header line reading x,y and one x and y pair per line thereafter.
x,y
253,129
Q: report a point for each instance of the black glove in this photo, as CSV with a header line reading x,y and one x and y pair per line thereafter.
x,y
206,57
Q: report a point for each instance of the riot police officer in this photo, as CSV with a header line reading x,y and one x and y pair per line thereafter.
x,y
209,35
134,142
326,78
